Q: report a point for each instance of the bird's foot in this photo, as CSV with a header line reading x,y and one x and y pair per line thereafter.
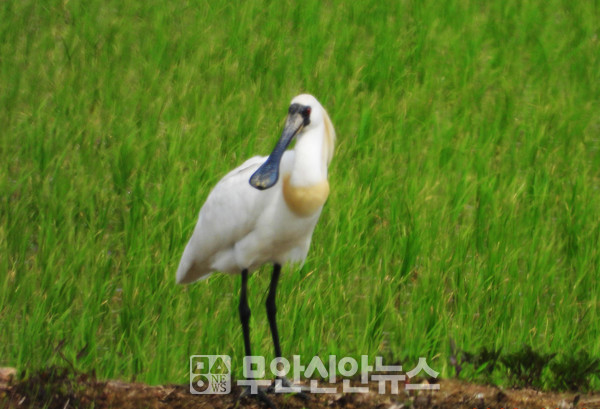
x,y
283,385
254,392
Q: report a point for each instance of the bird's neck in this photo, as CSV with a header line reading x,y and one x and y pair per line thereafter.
x,y
310,160
305,188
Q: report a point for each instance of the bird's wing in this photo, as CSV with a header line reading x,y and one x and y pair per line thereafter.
x,y
229,214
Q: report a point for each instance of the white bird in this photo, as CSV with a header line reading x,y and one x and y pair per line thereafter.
x,y
253,217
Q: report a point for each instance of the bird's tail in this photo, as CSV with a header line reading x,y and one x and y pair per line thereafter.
x,y
190,270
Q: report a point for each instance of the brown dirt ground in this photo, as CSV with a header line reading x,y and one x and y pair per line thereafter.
x,y
85,391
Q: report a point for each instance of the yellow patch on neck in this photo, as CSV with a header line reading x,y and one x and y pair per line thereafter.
x,y
305,200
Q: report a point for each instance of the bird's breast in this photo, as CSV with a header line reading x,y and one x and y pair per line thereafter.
x,y
305,200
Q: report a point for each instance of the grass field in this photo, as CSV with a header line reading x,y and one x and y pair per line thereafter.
x,y
465,198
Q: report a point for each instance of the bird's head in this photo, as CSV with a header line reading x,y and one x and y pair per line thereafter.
x,y
304,114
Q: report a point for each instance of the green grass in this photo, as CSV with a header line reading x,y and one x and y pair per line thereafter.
x,y
465,196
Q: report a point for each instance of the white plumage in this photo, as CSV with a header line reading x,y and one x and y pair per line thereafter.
x,y
241,227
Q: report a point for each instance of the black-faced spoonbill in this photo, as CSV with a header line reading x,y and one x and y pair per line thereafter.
x,y
253,216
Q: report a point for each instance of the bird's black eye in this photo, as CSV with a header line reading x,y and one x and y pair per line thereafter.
x,y
306,112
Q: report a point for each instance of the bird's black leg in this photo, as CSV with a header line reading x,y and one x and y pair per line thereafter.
x,y
244,310
271,314
272,310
